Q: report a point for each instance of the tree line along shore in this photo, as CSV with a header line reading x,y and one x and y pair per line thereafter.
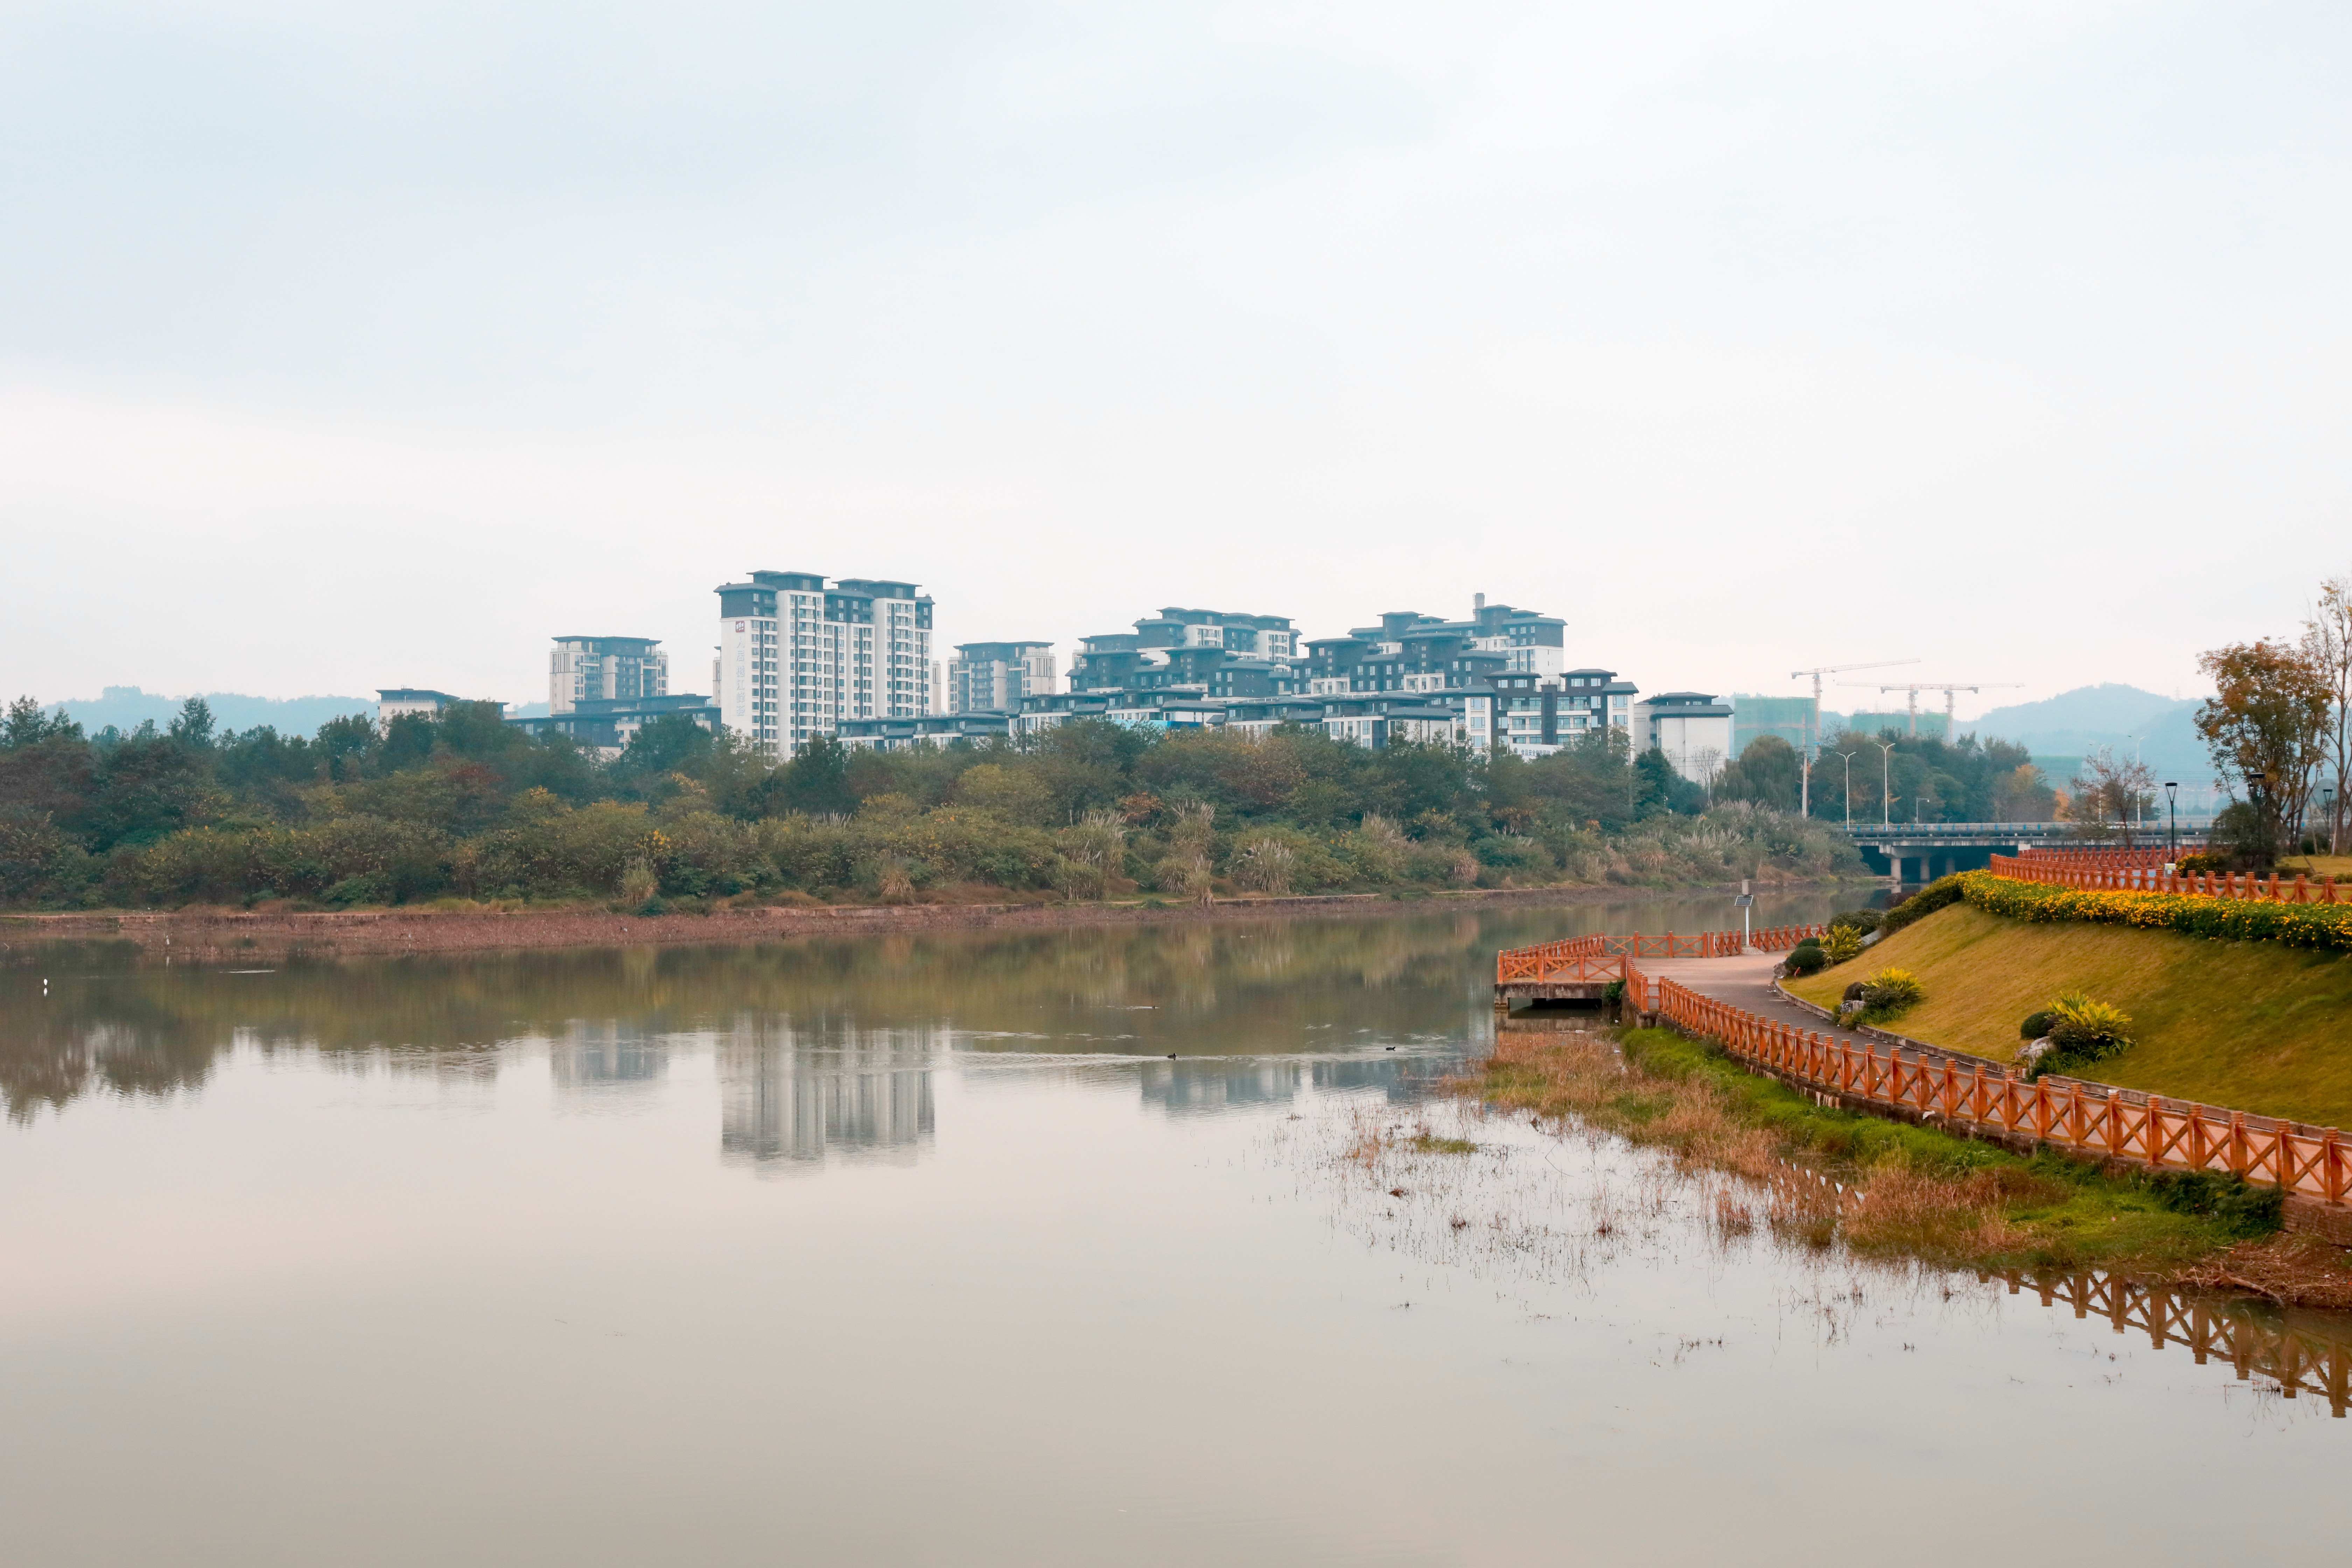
x,y
464,810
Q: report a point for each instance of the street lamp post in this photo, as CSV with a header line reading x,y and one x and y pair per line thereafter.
x,y
1849,757
2328,810
2171,822
1886,782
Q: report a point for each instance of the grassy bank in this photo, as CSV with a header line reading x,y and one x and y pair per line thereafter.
x,y
1947,1200
2253,1025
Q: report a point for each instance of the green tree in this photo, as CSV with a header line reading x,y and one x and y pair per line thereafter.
x,y
1653,782
1765,773
817,780
193,727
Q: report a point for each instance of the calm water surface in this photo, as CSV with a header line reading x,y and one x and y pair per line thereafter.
x,y
920,1249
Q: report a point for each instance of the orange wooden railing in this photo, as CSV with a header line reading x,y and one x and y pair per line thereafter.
x,y
1703,944
1781,939
2243,887
2097,860
1564,960
2087,1118
1546,961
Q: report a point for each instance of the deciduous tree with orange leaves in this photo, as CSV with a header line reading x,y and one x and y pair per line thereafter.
x,y
2267,725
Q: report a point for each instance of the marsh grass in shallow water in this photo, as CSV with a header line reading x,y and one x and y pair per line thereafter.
x,y
1431,1143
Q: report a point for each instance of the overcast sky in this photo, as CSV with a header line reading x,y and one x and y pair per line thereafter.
x,y
345,346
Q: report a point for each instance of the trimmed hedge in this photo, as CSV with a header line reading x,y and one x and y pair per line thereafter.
x,y
2226,920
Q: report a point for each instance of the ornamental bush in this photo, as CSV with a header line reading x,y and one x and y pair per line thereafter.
x,y
2036,1024
2225,919
1842,943
1893,990
2082,1031
1807,960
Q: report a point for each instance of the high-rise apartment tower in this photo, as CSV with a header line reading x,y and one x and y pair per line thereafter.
x,y
798,655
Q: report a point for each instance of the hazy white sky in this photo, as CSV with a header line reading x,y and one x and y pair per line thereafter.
x,y
345,345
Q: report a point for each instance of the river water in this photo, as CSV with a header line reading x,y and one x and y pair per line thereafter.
x,y
924,1250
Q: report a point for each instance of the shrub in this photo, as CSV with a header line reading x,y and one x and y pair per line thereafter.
x,y
1862,923
2036,1024
2189,865
2082,1031
1892,989
2222,1196
1265,864
1807,960
1887,995
1842,943
371,889
1377,848
639,883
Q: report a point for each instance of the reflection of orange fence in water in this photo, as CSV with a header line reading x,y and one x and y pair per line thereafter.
x,y
2300,1361
1969,1093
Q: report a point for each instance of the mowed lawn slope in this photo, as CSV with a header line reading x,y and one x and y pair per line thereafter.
x,y
2251,1026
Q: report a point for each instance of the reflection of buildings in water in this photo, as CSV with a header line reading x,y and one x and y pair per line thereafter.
x,y
792,1092
605,1053
1191,1088
1402,1078
1198,1088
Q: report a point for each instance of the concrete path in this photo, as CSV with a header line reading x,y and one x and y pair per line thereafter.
x,y
1744,982
1747,982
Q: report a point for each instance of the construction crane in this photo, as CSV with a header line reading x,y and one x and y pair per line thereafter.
x,y
1813,726
1948,688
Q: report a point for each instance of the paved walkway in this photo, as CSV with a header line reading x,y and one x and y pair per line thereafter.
x,y
1747,982
1743,982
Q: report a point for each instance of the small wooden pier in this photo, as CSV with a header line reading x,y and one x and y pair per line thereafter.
x,y
1582,968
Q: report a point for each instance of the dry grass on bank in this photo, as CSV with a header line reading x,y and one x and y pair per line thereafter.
x,y
1922,1193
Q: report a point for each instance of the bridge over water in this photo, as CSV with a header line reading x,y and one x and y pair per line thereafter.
x,y
1941,847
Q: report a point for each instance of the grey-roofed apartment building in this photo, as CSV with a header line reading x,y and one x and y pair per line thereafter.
x,y
589,670
800,655
1115,659
993,676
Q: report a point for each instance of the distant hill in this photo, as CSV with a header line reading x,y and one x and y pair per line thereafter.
x,y
2124,718
128,706
2112,709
